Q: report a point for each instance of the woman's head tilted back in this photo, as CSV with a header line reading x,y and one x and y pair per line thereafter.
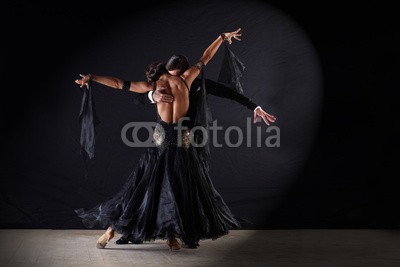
x,y
179,63
155,70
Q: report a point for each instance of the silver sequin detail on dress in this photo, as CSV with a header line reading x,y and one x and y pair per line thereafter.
x,y
160,140
158,135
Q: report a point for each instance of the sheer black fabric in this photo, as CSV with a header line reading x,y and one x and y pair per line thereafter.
x,y
88,120
168,193
231,70
230,73
200,117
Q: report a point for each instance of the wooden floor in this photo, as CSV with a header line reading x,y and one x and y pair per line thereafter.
x,y
304,247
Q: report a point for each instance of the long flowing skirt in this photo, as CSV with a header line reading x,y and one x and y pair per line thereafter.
x,y
169,192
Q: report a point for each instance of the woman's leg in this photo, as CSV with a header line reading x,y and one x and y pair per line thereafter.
x,y
110,230
107,236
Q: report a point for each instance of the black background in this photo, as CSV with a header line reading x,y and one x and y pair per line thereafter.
x,y
350,179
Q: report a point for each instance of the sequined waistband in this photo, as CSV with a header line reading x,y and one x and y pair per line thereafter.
x,y
170,135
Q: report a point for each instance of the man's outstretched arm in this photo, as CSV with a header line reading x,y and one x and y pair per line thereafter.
x,y
220,90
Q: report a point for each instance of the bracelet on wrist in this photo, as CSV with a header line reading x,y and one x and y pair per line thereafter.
x,y
90,81
200,64
223,36
126,85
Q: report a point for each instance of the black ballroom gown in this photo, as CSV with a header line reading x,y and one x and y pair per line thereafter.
x,y
169,193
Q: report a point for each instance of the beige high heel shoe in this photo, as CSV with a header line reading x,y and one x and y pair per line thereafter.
x,y
103,240
173,244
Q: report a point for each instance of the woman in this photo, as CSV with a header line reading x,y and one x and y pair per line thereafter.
x,y
170,193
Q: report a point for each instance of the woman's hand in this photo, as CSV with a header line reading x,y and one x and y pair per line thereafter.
x,y
259,112
83,81
230,35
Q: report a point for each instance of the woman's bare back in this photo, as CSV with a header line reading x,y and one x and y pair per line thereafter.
x,y
172,112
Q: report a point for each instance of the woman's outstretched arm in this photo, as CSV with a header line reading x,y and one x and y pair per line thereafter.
x,y
116,83
191,73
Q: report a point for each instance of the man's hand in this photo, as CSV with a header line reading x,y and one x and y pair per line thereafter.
x,y
259,112
161,95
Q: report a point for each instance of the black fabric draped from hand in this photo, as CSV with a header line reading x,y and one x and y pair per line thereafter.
x,y
200,116
231,70
230,73
88,120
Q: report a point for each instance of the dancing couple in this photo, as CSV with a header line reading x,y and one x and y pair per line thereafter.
x,y
169,194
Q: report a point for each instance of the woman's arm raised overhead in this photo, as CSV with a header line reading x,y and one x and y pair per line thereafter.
x,y
191,73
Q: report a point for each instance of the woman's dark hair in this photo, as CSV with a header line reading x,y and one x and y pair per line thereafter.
x,y
155,70
178,62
